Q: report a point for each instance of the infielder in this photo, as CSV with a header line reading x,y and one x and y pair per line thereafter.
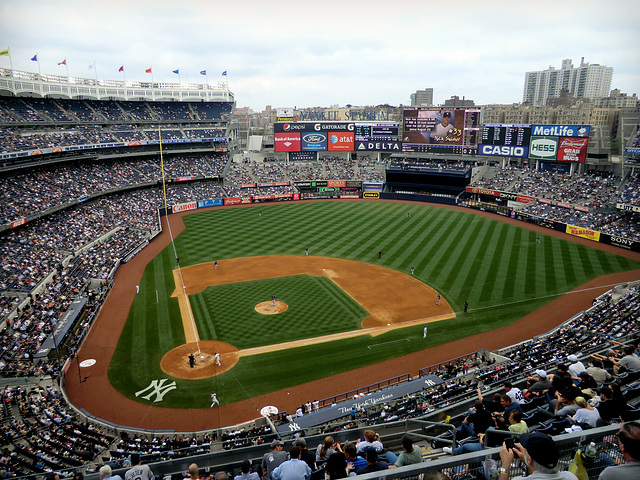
x,y
214,399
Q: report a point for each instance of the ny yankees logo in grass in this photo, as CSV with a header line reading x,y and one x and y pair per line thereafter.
x,y
158,388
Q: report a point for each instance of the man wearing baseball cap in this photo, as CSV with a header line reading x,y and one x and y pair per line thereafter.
x,y
274,458
539,453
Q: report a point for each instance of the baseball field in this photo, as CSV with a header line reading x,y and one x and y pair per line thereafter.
x,y
350,303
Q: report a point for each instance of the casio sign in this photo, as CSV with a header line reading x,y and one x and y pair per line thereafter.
x,y
503,150
544,147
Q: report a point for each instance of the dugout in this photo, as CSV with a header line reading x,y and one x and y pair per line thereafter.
x,y
427,179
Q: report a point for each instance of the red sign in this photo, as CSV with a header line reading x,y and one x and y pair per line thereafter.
x,y
335,183
581,208
17,223
572,149
563,205
525,199
340,141
287,142
544,200
349,196
483,191
296,196
247,185
233,201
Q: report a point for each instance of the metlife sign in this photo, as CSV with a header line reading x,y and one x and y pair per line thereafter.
x,y
543,148
561,130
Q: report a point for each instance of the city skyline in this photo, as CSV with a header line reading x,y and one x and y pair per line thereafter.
x,y
289,54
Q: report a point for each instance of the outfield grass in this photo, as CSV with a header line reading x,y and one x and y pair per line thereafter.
x,y
496,267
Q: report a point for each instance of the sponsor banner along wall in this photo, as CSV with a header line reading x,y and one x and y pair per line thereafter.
x,y
583,232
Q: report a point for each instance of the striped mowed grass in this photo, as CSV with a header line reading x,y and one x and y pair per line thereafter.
x,y
497,268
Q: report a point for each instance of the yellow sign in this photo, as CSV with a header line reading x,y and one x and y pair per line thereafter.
x,y
371,195
583,232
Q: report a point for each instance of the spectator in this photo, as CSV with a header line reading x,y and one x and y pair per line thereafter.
x,y
107,474
272,459
137,471
629,443
246,474
306,455
292,469
539,453
373,465
410,454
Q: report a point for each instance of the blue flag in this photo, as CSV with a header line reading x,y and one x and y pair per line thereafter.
x,y
35,58
177,72
224,73
203,72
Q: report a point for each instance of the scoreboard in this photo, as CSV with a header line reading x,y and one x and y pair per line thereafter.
x,y
377,131
297,137
505,140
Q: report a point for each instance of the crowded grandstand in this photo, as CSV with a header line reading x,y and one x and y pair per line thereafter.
x,y
83,186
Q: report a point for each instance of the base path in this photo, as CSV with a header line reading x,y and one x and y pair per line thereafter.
x,y
98,397
393,300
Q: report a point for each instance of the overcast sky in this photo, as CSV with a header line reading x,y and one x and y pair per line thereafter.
x,y
302,53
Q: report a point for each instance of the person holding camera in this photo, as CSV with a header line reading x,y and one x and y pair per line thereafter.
x,y
538,452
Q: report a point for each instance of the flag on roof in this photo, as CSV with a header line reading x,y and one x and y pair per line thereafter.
x,y
35,58
4,53
148,70
63,62
203,72
176,71
121,69
224,73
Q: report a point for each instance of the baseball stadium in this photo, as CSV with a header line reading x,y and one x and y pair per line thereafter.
x,y
171,293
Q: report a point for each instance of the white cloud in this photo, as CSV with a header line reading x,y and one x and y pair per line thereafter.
x,y
286,53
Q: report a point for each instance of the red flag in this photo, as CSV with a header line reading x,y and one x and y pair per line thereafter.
x,y
148,70
63,62
121,69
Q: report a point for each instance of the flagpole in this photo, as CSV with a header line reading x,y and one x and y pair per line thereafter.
x,y
179,86
13,80
95,68
153,90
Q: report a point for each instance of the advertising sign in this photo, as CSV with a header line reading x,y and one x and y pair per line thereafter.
x,y
340,141
572,149
583,232
314,142
543,148
287,142
388,146
561,130
183,207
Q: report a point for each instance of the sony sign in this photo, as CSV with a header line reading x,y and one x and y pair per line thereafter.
x,y
503,151
544,148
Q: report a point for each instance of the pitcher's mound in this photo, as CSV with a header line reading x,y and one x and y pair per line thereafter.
x,y
267,308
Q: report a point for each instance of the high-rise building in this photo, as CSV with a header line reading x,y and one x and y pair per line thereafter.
x,y
422,98
585,81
